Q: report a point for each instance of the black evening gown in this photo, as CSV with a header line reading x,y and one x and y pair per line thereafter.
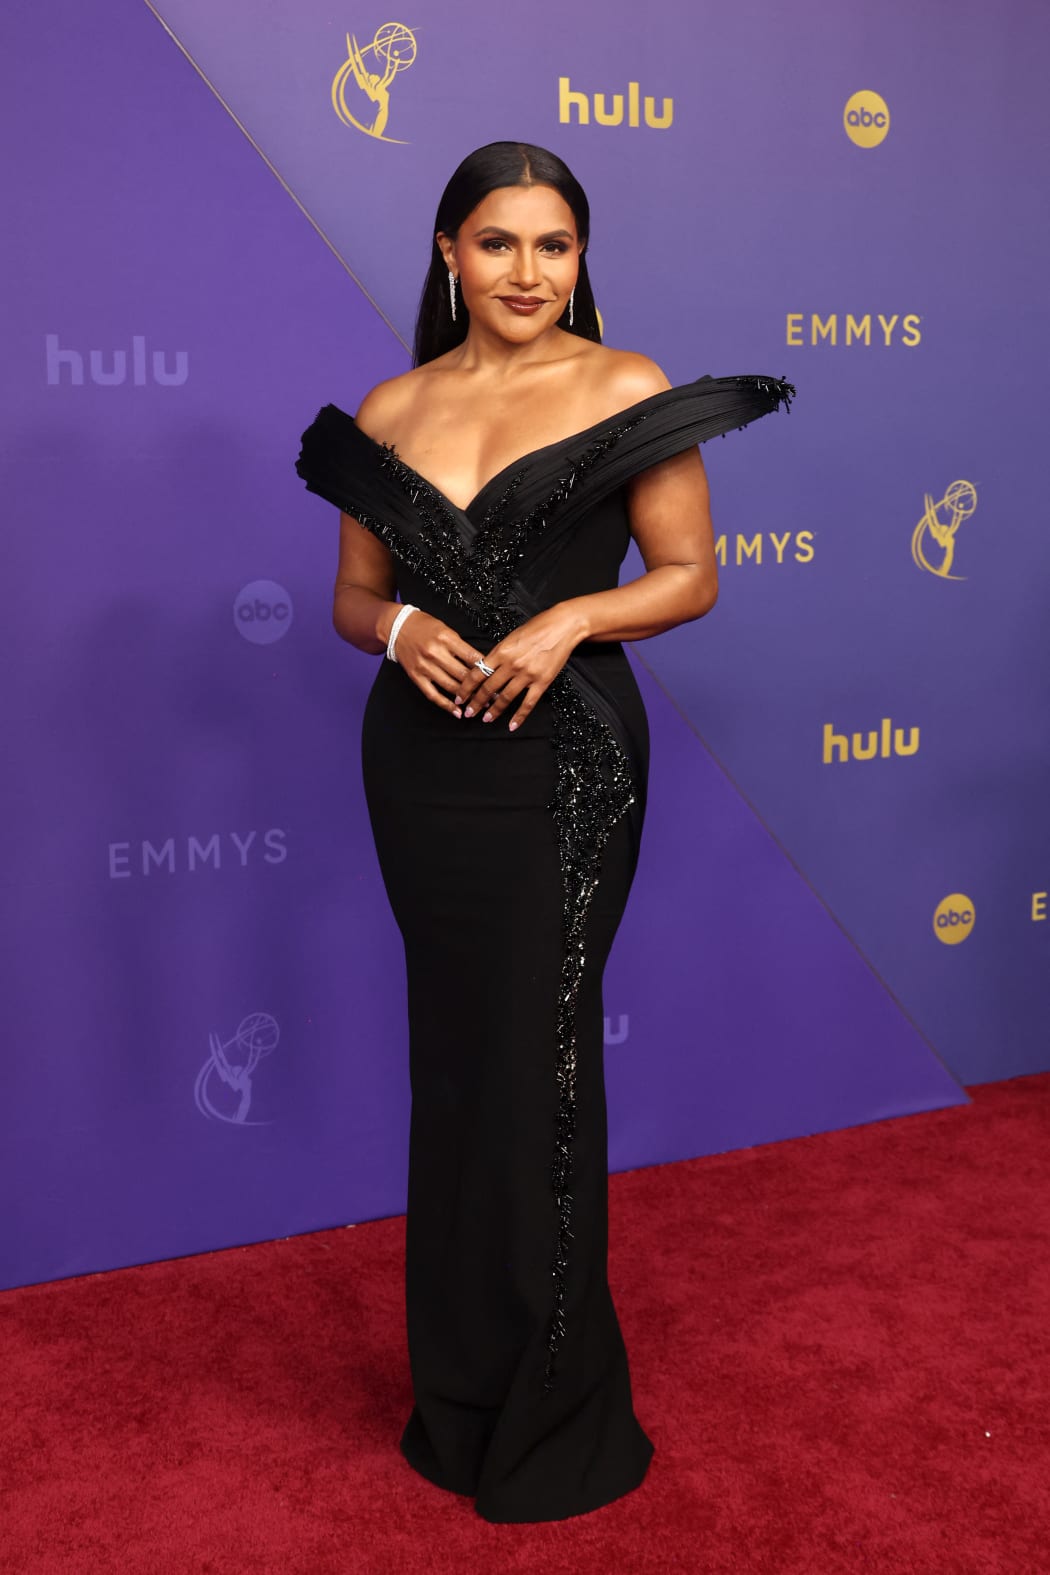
x,y
508,858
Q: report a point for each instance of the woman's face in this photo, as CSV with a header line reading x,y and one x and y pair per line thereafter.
x,y
516,258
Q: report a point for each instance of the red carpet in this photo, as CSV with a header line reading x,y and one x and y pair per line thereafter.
x,y
840,1346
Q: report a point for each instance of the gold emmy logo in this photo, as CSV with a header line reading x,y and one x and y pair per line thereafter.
x,y
953,918
866,118
392,50
941,521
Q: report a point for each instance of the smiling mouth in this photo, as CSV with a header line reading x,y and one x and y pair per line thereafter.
x,y
525,303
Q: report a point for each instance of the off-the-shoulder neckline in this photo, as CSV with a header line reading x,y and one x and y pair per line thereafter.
x,y
584,435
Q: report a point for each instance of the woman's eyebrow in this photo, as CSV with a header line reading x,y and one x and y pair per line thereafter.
x,y
508,235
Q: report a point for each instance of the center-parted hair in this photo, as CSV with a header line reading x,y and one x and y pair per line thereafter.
x,y
481,172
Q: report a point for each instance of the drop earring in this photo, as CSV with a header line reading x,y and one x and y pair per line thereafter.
x,y
452,293
572,295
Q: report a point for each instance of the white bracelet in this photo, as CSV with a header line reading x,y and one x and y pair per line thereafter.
x,y
395,627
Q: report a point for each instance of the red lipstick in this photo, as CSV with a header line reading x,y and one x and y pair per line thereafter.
x,y
524,305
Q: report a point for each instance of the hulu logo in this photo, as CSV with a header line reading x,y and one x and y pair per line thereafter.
x,y
111,368
604,115
879,744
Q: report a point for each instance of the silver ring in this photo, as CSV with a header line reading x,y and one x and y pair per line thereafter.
x,y
485,668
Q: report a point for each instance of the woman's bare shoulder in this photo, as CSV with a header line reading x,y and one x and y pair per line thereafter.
x,y
626,376
383,407
621,378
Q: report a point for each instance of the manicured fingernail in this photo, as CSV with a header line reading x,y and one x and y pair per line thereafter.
x,y
457,712
512,726
469,711
487,717
457,700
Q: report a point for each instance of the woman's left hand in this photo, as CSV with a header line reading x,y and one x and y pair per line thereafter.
x,y
526,663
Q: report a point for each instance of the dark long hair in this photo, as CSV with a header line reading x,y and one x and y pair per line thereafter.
x,y
483,171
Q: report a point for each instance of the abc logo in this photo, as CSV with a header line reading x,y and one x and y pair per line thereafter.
x,y
953,919
262,612
866,119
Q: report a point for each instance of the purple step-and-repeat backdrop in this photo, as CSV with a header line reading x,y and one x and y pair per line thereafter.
x,y
218,220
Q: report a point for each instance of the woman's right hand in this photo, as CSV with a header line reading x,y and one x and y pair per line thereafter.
x,y
364,609
434,657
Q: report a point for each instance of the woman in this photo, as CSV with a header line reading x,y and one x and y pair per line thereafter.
x,y
505,754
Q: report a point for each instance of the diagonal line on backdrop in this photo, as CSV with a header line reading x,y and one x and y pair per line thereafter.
x,y
799,871
336,253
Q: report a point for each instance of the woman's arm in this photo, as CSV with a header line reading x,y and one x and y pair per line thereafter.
x,y
366,582
670,512
364,604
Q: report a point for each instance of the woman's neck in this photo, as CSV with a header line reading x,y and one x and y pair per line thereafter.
x,y
492,356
